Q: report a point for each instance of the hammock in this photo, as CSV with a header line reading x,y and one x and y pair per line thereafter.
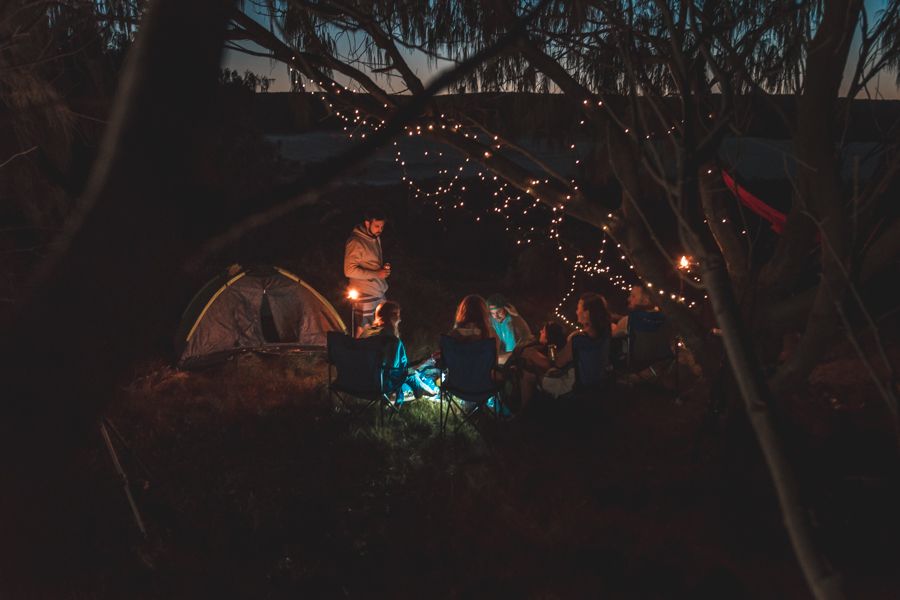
x,y
774,217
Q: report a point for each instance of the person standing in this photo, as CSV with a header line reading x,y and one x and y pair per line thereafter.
x,y
365,268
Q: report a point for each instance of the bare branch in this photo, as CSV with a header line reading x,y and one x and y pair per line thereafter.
x,y
297,193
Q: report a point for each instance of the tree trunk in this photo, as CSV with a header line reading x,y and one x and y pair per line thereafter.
x,y
77,330
819,205
824,583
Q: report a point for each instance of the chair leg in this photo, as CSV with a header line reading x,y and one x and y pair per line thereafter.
x,y
445,413
338,400
468,418
441,413
450,408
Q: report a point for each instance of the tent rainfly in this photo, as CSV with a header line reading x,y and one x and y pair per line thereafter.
x,y
264,309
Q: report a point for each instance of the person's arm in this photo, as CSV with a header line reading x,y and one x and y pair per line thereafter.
x,y
536,359
620,329
564,356
401,362
521,331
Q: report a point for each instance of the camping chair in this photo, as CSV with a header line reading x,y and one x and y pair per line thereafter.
x,y
649,343
468,375
591,360
359,370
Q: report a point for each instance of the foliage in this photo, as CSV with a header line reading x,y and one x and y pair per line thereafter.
x,y
251,81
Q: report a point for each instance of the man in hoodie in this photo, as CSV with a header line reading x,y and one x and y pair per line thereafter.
x,y
365,267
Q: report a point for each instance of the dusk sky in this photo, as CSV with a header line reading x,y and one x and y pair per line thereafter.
x,y
885,83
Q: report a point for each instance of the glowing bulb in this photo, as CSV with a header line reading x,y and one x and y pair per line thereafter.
x,y
353,294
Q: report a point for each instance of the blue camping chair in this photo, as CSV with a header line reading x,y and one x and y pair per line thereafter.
x,y
359,371
650,340
468,369
591,360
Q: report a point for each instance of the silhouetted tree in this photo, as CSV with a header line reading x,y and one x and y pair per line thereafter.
x,y
662,83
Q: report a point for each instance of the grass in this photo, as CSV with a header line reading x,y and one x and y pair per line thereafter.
x,y
261,488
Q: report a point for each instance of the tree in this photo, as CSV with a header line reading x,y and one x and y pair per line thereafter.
x,y
59,62
635,68
71,334
693,73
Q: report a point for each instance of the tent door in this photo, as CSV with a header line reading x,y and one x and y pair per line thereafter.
x,y
267,321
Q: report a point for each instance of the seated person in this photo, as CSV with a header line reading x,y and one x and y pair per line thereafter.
x,y
638,299
473,321
398,376
594,320
509,326
537,358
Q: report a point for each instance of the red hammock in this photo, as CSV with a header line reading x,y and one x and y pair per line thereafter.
x,y
768,213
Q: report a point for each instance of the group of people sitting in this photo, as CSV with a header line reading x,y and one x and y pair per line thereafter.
x,y
528,364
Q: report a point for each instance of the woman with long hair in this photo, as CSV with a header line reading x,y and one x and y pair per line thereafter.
x,y
473,320
595,323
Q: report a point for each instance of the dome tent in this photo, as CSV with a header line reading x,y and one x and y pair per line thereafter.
x,y
260,308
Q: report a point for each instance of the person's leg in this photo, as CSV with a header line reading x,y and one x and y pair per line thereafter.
x,y
420,385
359,320
364,314
404,391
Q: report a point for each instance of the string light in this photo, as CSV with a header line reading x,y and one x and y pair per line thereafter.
x,y
446,184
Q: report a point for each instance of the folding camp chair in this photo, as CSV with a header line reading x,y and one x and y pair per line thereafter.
x,y
650,341
359,371
468,375
591,360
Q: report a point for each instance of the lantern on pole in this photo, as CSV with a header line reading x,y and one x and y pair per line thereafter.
x,y
684,265
353,296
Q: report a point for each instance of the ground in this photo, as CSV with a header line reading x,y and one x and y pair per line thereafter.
x,y
259,486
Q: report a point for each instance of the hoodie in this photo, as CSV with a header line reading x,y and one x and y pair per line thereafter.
x,y
362,258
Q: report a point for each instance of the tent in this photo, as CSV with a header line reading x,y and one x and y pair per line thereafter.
x,y
258,309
